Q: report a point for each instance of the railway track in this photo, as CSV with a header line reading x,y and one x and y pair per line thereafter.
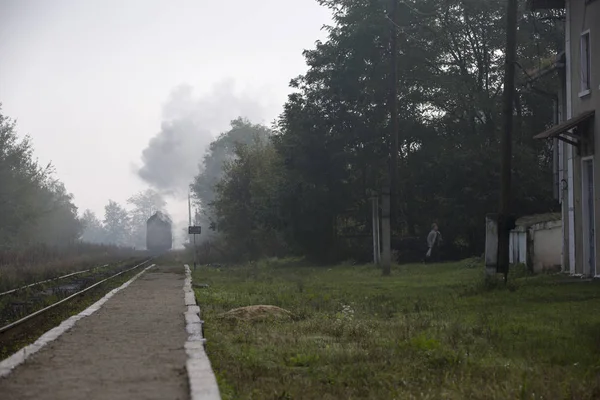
x,y
69,292
50,280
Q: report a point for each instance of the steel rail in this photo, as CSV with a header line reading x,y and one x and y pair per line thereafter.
x,y
50,280
43,310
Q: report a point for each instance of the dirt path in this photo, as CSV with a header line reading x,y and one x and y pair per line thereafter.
x,y
132,348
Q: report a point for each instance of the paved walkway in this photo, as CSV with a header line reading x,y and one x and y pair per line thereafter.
x,y
132,348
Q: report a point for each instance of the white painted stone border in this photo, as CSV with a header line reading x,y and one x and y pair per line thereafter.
x,y
7,365
203,383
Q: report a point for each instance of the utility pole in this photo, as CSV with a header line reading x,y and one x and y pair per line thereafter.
x,y
376,236
389,207
394,111
505,220
190,214
386,250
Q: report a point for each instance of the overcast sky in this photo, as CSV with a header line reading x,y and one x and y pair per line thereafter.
x,y
91,81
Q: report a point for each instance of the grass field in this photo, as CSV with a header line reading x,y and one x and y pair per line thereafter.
x,y
427,332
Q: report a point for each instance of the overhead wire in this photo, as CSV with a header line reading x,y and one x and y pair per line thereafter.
x,y
413,9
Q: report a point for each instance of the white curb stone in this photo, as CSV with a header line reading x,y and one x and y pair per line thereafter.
x,y
192,318
203,384
7,365
190,300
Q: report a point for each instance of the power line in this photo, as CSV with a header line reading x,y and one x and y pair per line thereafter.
x,y
409,6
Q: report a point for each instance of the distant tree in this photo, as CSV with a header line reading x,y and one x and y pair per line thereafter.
x,y
93,230
57,221
117,224
144,205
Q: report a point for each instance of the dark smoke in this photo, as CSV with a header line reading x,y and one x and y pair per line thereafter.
x,y
170,161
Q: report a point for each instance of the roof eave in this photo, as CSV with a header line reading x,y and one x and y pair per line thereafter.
x,y
563,129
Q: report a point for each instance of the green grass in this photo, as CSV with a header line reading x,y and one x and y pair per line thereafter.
x,y
427,332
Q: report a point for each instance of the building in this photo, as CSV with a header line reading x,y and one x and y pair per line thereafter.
x,y
576,133
536,242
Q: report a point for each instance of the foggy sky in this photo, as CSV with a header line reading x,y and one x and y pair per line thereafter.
x,y
96,82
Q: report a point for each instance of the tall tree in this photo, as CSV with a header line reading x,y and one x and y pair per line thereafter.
x,y
218,154
57,221
117,224
245,207
34,206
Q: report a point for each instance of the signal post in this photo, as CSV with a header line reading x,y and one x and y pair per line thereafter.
x,y
195,230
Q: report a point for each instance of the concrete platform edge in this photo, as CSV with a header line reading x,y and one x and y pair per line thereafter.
x,y
203,383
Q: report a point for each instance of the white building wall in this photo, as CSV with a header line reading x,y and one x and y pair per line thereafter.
x,y
518,247
547,239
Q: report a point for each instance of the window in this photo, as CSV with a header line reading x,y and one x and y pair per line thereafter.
x,y
586,63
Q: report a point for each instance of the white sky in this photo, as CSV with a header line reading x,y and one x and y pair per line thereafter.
x,y
87,79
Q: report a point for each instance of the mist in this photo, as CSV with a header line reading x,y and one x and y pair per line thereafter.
x,y
189,123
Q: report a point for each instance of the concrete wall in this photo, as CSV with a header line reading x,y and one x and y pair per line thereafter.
x,y
547,252
491,245
518,247
539,246
584,17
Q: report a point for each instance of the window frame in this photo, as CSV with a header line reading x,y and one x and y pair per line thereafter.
x,y
585,63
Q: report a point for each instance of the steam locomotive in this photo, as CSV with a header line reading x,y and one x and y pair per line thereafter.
x,y
159,235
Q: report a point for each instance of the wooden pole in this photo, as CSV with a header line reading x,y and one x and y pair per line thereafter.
x,y
195,253
394,112
378,233
189,214
386,254
376,245
508,101
392,178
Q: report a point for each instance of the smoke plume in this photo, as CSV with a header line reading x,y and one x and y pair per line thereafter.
x,y
171,159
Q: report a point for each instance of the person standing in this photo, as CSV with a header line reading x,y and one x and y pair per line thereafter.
x,y
434,241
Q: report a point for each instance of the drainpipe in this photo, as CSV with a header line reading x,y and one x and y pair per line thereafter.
x,y
558,147
563,188
555,156
570,162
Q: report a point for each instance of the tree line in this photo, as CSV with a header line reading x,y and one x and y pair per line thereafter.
x,y
120,226
35,207
303,187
